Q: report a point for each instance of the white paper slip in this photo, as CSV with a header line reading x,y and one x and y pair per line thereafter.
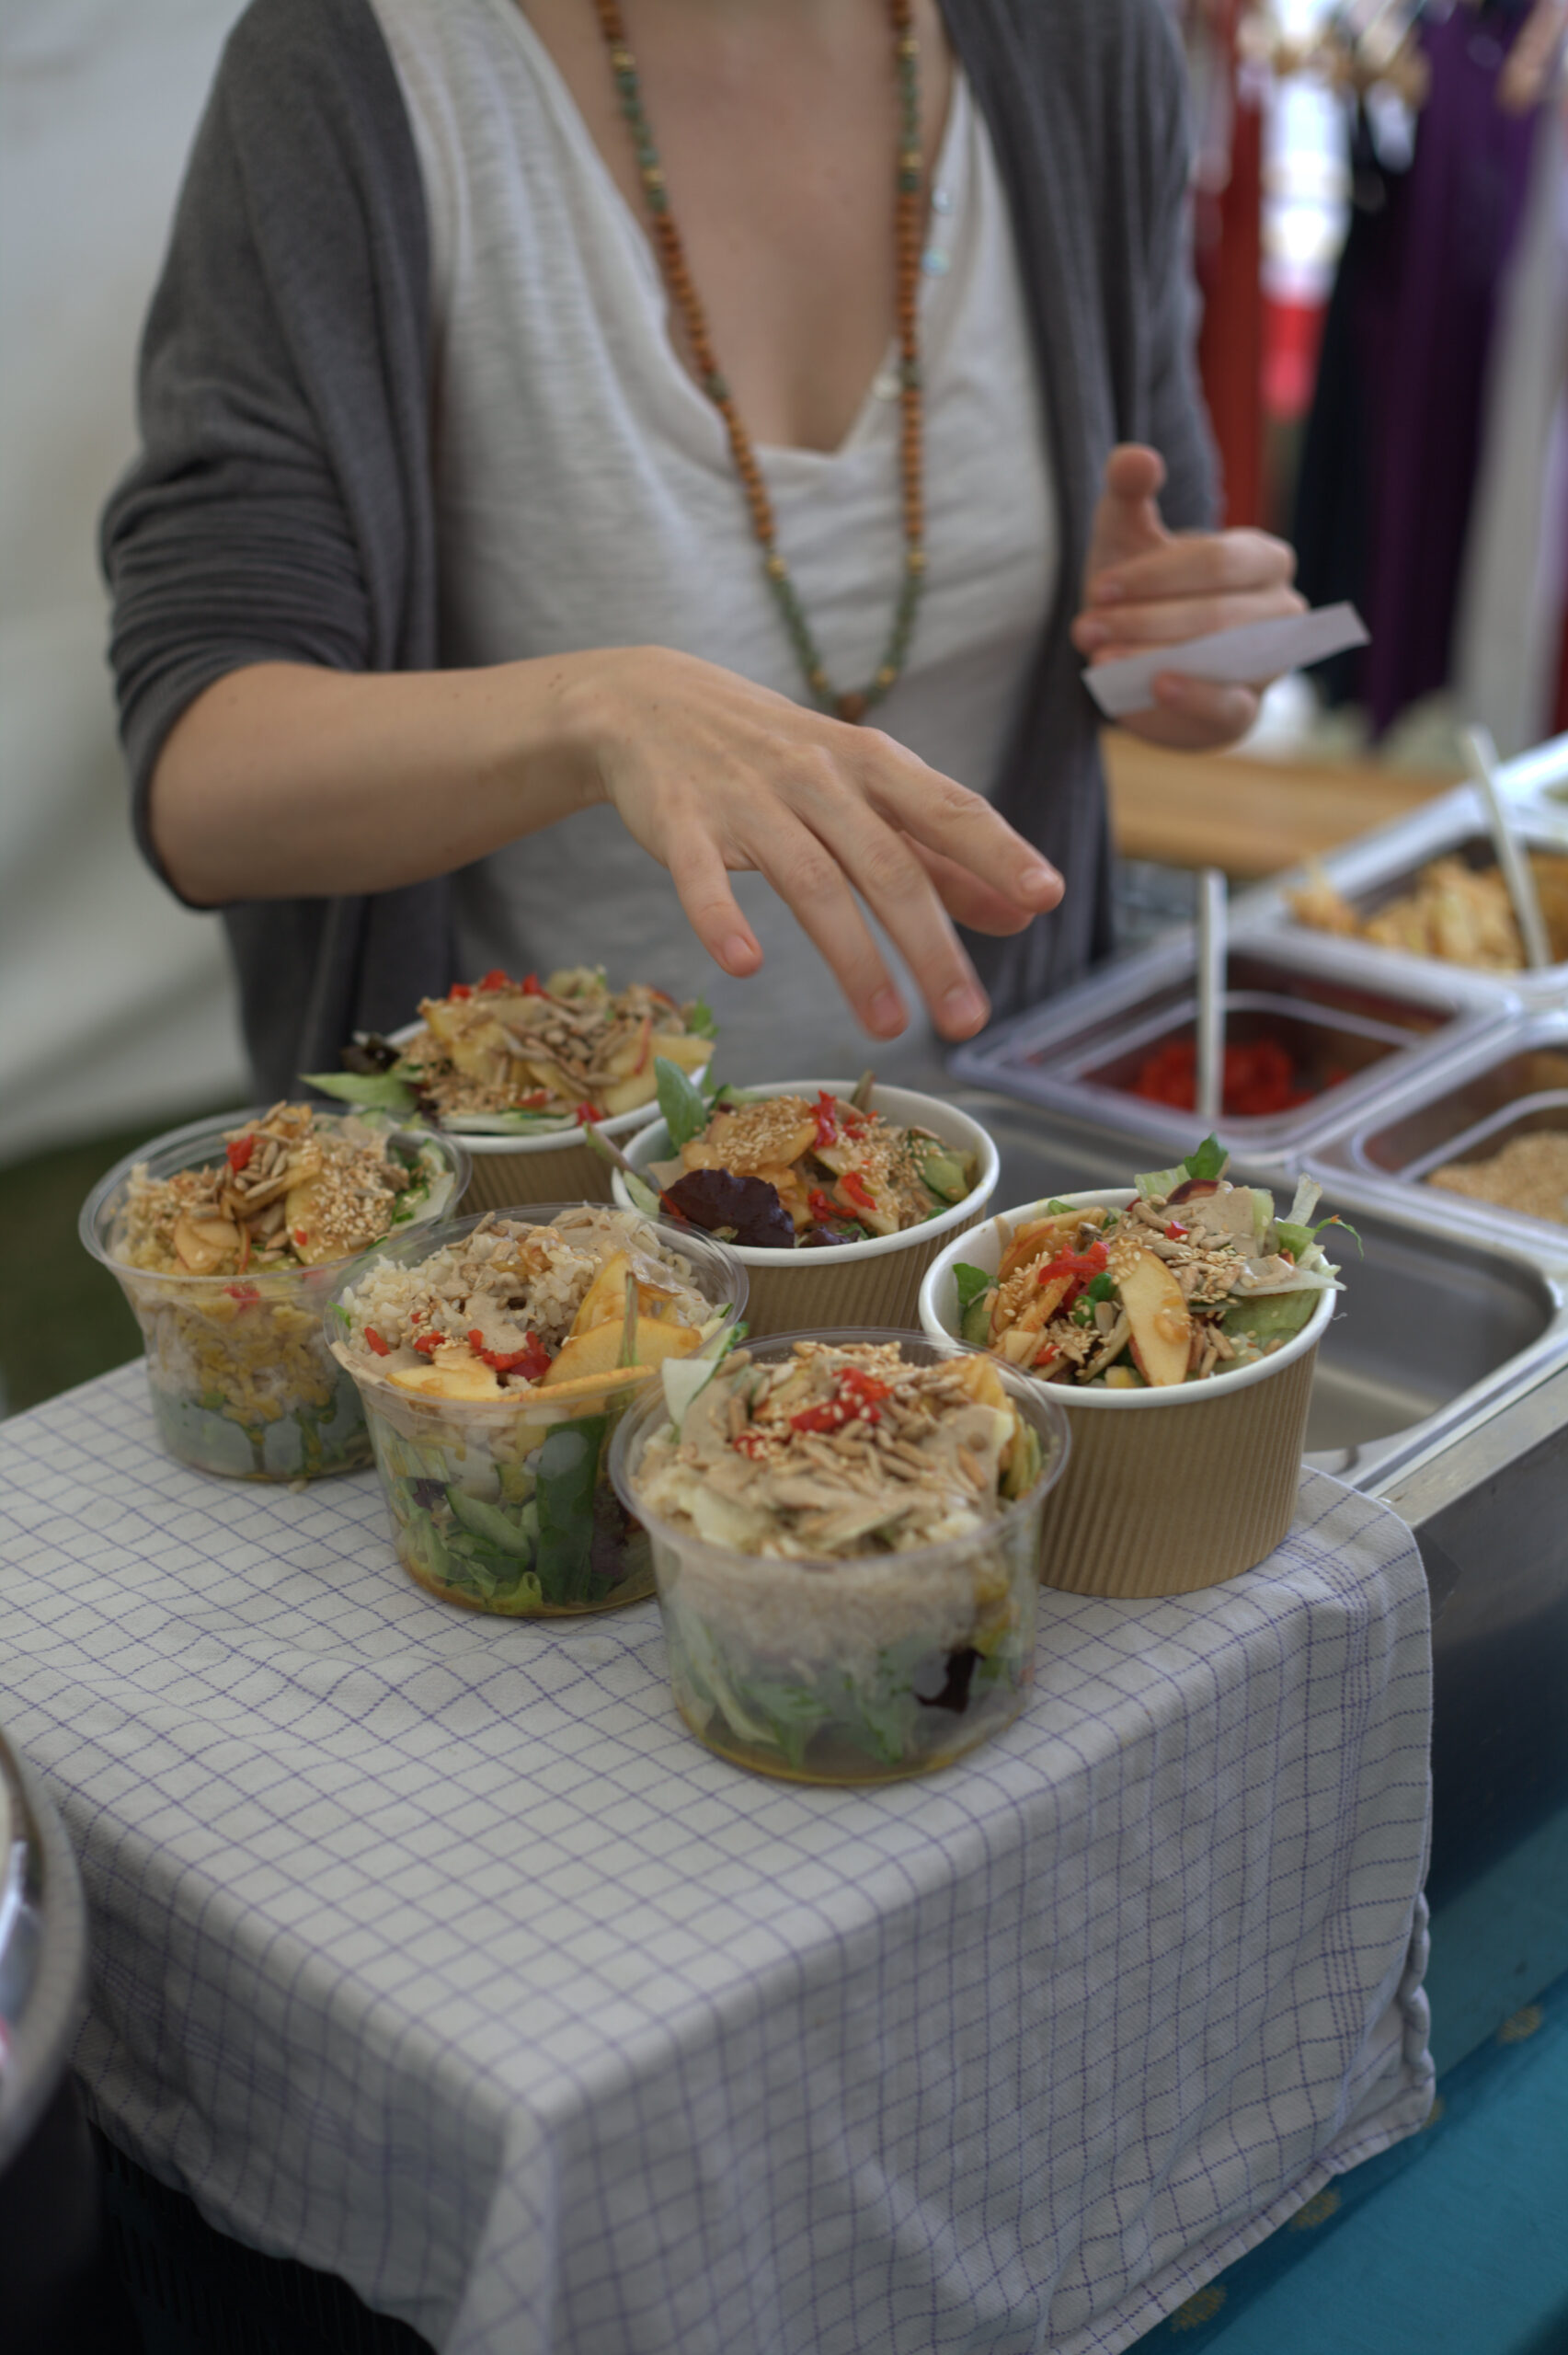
x,y
1235,657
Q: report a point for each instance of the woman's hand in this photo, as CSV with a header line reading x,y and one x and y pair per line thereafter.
x,y
1144,586
713,775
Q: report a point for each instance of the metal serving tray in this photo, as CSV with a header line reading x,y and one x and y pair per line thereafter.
x,y
1510,1084
1384,866
1349,1032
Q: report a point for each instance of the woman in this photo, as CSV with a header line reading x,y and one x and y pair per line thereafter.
x,y
451,555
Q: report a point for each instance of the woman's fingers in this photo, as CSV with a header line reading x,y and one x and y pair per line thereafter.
x,y
967,899
1193,715
810,881
1128,629
958,826
702,881
1199,564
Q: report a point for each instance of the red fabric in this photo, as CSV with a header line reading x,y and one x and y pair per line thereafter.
x,y
1229,350
1292,333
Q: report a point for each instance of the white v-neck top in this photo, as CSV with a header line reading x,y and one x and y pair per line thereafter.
x,y
586,496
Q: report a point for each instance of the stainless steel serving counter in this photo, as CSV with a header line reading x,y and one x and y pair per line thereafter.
x,y
1443,1389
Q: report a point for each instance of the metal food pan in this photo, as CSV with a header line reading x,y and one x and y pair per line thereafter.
x,y
1347,1035
1385,866
1512,1085
1537,782
1439,1325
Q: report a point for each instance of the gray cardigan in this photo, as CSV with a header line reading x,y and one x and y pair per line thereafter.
x,y
282,506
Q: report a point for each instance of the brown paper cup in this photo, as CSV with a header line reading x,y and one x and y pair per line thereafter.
x,y
848,1283
794,1295
1165,1491
1164,1504
542,1173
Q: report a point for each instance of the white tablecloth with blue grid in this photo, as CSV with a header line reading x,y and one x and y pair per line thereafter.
x,y
432,1950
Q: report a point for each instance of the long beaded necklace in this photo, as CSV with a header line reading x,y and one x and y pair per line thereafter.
x,y
677,280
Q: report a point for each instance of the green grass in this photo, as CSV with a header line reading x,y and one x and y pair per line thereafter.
x,y
66,1317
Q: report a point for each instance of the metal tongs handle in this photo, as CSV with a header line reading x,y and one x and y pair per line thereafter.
x,y
1211,954
1480,757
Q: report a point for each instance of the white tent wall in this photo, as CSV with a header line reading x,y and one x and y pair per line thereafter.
x,y
116,1005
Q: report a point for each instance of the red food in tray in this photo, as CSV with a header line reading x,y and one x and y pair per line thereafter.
x,y
1260,1079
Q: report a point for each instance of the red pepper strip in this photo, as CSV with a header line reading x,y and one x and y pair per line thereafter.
x,y
531,986
461,989
382,1348
1174,1232
583,1113
827,1116
750,1442
531,1360
1082,1265
238,1152
427,1344
855,1123
496,980
243,1293
857,1401
531,1102
822,1206
302,1236
852,1184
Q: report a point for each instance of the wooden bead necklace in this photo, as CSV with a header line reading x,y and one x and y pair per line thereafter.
x,y
910,225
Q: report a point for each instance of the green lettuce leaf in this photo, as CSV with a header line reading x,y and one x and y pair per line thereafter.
x,y
684,1109
369,1091
970,1283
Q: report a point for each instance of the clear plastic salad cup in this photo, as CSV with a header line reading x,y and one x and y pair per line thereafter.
x,y
861,1667
241,1378
503,1504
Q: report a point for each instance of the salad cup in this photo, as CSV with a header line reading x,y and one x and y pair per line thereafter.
x,y
560,1166
874,1282
860,1670
504,1504
241,1378
1168,1490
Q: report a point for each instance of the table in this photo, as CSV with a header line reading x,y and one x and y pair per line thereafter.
x,y
432,1950
1250,815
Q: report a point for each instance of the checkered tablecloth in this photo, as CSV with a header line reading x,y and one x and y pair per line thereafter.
x,y
432,1950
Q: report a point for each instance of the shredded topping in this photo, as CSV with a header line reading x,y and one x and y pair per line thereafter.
x,y
296,1188
840,1172
566,1048
840,1451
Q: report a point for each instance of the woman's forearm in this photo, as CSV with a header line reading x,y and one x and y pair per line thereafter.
x,y
281,780
284,780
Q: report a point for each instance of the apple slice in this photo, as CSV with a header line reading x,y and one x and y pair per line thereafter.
x,y
453,1373
1162,1327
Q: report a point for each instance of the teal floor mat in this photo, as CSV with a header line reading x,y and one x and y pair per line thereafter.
x,y
1454,2242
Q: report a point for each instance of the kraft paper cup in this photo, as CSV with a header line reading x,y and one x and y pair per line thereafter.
x,y
504,1504
859,1669
877,1282
242,1382
1167,1490
559,1167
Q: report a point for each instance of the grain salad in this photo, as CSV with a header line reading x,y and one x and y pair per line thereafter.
x,y
1192,1278
495,1361
845,1532
500,1057
227,1240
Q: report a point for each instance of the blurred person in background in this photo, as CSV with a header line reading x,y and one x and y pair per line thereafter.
x,y
614,484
